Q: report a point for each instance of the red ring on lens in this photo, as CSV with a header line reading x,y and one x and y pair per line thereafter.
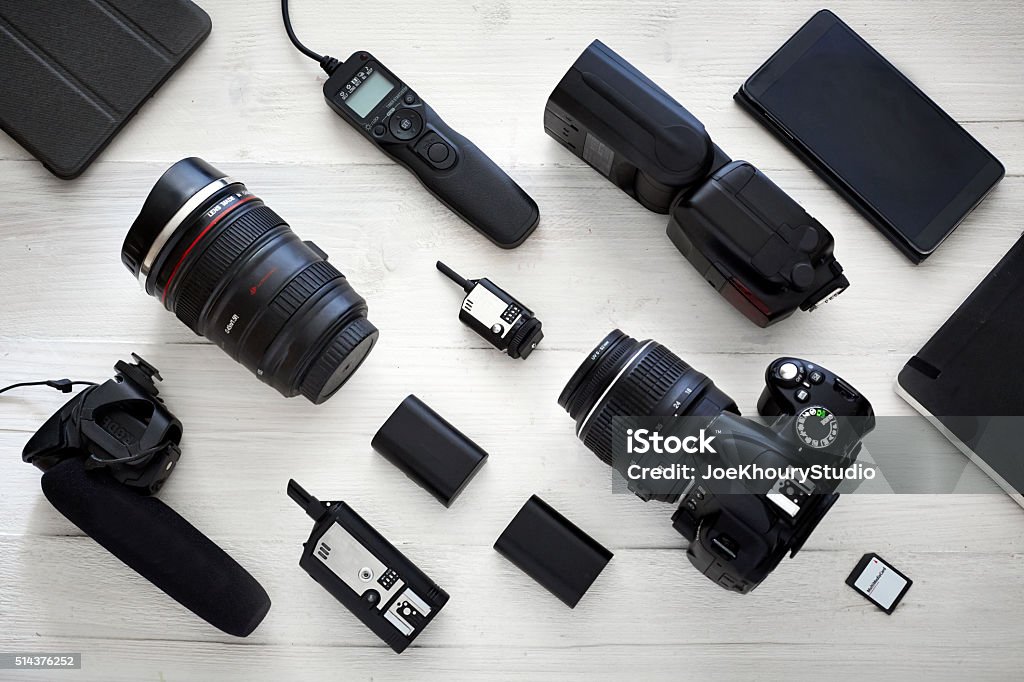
x,y
167,285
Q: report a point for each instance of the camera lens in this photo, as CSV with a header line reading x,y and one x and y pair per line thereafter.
x,y
233,271
625,377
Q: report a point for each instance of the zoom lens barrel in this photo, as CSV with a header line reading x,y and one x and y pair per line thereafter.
x,y
233,271
625,377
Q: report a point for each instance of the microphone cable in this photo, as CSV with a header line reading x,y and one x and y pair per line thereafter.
x,y
62,385
65,386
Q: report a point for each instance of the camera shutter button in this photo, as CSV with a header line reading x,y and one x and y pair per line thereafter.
x,y
788,371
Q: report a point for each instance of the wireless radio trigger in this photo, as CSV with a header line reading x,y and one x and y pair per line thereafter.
x,y
504,322
362,570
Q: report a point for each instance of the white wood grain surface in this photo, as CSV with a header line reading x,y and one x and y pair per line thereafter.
x,y
251,105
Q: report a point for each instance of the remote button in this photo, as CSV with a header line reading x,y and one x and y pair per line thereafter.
x,y
788,371
809,239
405,124
438,152
816,377
802,396
802,275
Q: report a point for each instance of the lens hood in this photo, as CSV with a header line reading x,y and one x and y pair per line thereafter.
x,y
179,183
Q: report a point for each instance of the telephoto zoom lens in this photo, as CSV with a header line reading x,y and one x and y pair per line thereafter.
x,y
233,271
623,377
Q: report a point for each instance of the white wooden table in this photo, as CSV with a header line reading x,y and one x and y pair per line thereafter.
x,y
252,105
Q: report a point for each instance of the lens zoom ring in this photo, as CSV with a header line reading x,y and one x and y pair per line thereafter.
x,y
195,289
302,286
636,394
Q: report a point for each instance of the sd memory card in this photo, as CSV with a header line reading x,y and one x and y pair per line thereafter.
x,y
879,582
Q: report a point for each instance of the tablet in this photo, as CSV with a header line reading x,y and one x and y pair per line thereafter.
x,y
967,378
902,161
73,72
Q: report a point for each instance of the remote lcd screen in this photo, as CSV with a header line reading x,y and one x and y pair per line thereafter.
x,y
369,94
866,123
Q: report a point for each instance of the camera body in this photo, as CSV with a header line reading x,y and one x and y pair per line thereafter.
x,y
739,531
121,425
752,242
739,526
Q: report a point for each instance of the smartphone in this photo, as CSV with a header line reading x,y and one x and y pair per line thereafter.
x,y
887,148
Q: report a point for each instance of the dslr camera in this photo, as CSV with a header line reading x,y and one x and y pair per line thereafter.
x,y
786,468
746,237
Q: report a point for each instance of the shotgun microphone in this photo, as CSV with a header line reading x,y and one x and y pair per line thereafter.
x,y
160,545
103,454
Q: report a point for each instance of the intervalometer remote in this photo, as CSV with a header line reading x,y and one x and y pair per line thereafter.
x,y
396,119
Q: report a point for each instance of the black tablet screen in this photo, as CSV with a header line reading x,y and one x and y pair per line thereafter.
x,y
889,143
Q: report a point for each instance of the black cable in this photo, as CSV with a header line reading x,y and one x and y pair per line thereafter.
x,y
327,63
62,385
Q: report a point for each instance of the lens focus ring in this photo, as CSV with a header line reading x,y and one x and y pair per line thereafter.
x,y
637,393
196,288
302,287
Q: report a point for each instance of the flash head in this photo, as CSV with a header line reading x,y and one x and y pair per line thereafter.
x,y
605,111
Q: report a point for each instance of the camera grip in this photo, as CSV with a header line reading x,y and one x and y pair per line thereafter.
x,y
161,546
473,187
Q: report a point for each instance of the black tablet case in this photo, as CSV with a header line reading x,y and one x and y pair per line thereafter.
x,y
72,72
970,374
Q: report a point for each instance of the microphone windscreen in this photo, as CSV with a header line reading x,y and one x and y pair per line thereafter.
x,y
160,545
